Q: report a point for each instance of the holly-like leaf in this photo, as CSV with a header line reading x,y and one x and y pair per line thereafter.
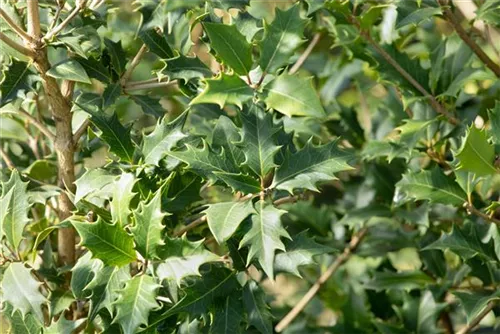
x,y
299,252
107,242
258,312
156,43
186,68
264,237
149,105
94,69
22,291
17,78
226,135
14,212
281,39
420,314
293,96
82,273
92,181
475,303
148,227
412,132
181,192
312,164
476,154
135,301
163,138
111,93
224,218
227,89
230,45
407,280
182,259
259,140
69,69
494,117
117,55
62,325
21,324
122,195
228,316
432,185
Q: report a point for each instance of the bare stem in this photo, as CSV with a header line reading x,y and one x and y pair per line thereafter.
x,y
20,31
33,18
306,53
16,46
287,320
79,6
126,76
5,157
40,126
150,85
192,225
81,130
478,319
472,210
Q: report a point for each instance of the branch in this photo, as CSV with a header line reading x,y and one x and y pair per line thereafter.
x,y
455,23
33,19
472,210
79,6
150,85
478,319
81,130
126,76
286,200
194,224
40,126
5,157
23,34
16,46
346,254
306,54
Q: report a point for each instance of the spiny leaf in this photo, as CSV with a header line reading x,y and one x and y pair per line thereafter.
x,y
21,324
224,218
107,242
95,69
156,43
110,94
312,164
228,316
476,154
17,79
82,273
293,96
134,303
149,105
258,312
494,117
281,38
62,325
122,195
185,68
227,89
264,237
118,56
148,227
230,46
22,291
475,303
69,69
431,185
91,181
420,314
225,135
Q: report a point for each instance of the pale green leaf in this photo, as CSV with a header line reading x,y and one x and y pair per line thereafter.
x,y
226,89
224,218
476,154
82,273
494,117
70,70
475,303
186,68
91,181
62,325
17,80
122,196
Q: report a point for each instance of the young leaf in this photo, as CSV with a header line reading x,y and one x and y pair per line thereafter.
x,y
258,312
134,303
230,45
22,291
264,237
156,43
186,68
17,78
118,56
281,38
122,195
224,218
227,89
293,96
475,303
228,316
148,227
476,154
69,69
431,185
182,259
259,140
312,164
15,205
163,138
108,242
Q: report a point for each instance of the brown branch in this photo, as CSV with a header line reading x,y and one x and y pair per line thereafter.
x,y
20,31
150,85
346,254
81,130
478,319
192,225
306,54
472,210
80,4
33,19
455,23
16,46
40,126
126,76
5,157
286,200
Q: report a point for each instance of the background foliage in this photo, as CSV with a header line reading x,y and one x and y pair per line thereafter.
x,y
218,159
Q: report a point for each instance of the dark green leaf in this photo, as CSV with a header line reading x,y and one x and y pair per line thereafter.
x,y
227,89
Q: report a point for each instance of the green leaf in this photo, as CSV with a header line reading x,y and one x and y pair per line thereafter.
x,y
69,69
494,117
118,56
149,105
17,79
92,181
228,316
148,227
281,38
475,303
259,140
293,96
164,137
299,252
406,280
22,291
94,69
312,164
82,273
476,154
432,185
182,191
62,325
122,196
111,94
224,218
182,259
21,324
186,68
230,45
227,89
108,242
156,43
489,12
135,301
412,132
264,237
226,135
417,16
420,314
467,242
15,206
258,312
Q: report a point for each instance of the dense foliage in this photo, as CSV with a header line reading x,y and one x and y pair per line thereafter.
x,y
229,166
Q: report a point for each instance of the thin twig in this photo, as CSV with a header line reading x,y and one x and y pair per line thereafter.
x,y
150,85
472,210
79,6
5,157
81,130
40,126
126,76
306,54
142,82
20,31
478,319
16,46
56,16
286,200
192,225
455,23
287,320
